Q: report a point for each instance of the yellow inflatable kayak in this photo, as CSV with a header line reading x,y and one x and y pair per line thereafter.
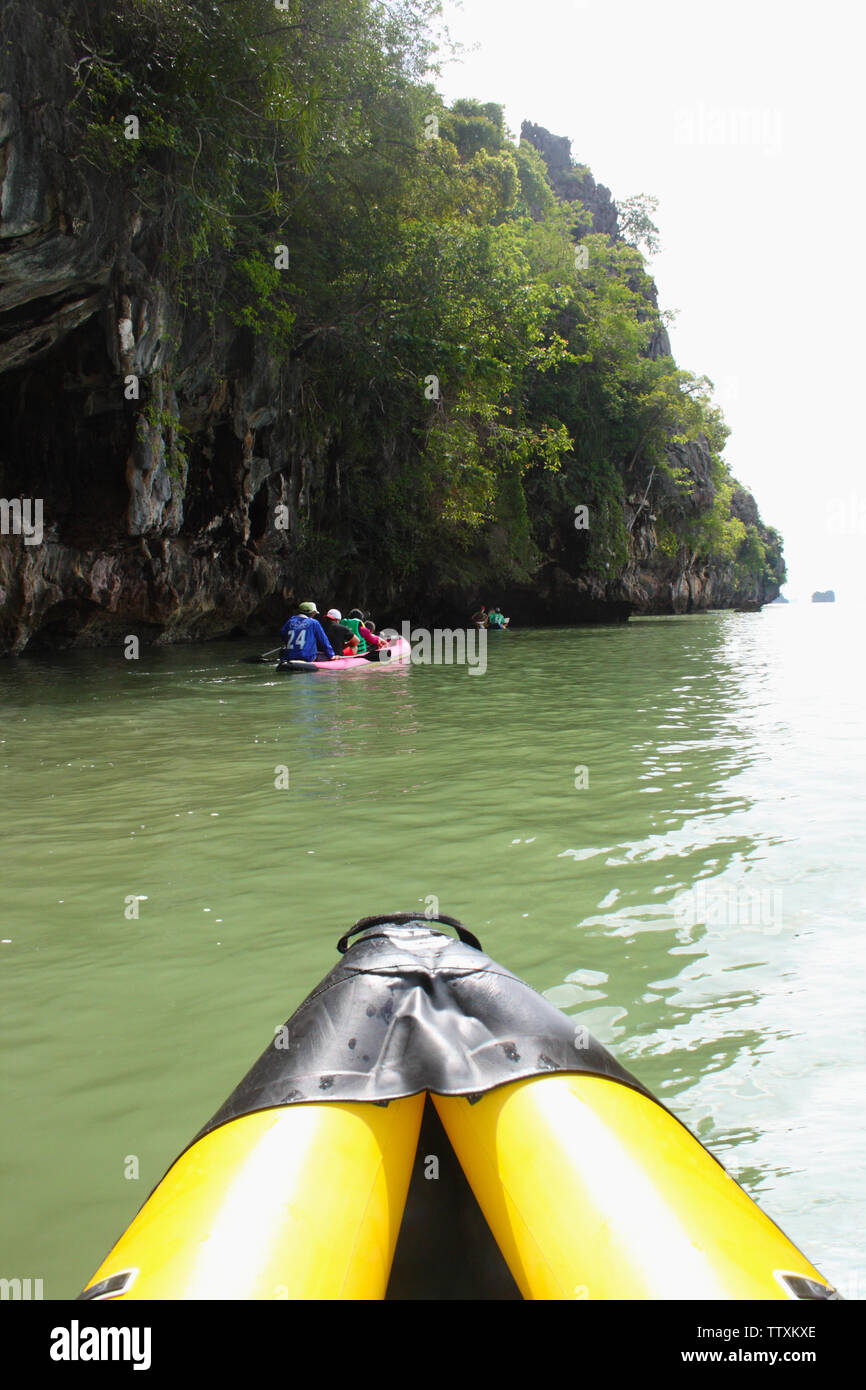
x,y
427,1126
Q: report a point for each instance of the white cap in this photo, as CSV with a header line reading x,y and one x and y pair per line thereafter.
x,y
334,613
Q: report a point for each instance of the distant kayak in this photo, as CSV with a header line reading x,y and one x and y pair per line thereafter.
x,y
397,653
558,1175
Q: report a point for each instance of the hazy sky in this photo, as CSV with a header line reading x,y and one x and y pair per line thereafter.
x,y
745,119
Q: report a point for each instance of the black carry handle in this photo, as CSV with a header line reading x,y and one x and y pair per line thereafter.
x,y
405,919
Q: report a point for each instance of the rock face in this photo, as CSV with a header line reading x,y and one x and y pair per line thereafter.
x,y
570,181
139,534
175,483
824,596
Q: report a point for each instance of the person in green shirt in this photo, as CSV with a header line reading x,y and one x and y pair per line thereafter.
x,y
495,618
355,621
376,647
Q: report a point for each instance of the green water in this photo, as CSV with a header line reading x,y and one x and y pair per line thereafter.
x,y
725,751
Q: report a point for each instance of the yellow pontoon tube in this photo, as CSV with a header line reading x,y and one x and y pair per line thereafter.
x,y
329,1174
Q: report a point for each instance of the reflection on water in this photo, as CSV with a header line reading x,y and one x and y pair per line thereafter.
x,y
694,895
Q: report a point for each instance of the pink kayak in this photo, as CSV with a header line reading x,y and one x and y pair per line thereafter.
x,y
396,653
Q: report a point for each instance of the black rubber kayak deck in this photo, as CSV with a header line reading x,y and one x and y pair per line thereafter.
x,y
410,1009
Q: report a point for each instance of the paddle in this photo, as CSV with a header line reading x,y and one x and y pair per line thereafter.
x,y
254,660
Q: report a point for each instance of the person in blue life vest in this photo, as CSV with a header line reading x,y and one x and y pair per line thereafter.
x,y
305,637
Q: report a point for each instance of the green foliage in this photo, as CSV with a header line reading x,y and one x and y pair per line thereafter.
x,y
716,535
636,225
667,540
260,301
410,258
165,422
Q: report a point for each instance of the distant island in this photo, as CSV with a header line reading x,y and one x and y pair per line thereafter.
x,y
824,596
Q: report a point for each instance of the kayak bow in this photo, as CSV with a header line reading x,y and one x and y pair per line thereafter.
x,y
420,1086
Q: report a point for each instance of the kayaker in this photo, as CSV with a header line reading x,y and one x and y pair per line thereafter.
x,y
344,641
495,617
304,636
479,619
365,632
376,645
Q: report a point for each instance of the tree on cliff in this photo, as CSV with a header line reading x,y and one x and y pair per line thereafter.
x,y
465,325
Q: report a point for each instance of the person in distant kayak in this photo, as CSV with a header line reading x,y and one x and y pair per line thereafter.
x,y
304,636
368,642
495,617
480,618
344,641
377,646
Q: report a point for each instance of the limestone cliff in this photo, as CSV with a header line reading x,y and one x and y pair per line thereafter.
x,y
157,509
